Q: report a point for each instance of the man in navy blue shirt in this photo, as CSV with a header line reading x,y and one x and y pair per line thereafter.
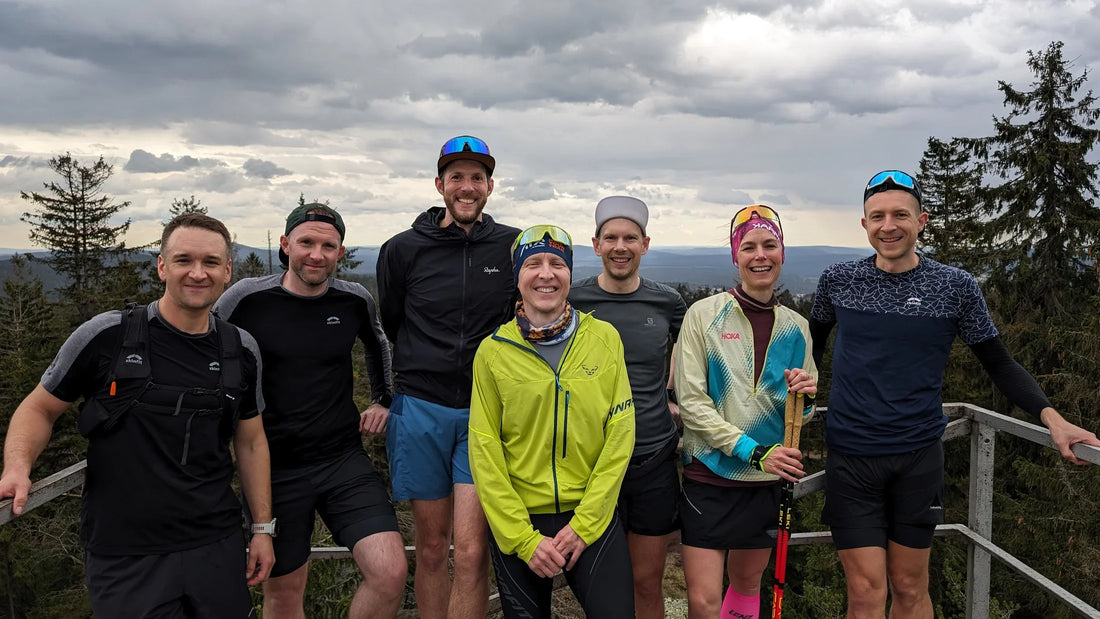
x,y
897,314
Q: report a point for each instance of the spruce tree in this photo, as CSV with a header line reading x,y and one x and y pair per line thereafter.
x,y
1043,220
185,205
251,266
951,184
1042,223
73,219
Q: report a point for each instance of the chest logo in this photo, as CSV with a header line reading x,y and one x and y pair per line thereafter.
x,y
731,336
649,322
492,270
332,320
215,366
912,302
135,359
589,371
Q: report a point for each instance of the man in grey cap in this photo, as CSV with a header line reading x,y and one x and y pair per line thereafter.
x,y
647,315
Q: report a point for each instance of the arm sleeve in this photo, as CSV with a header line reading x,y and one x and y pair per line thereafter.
x,y
819,335
391,290
810,365
504,509
376,349
697,409
678,311
1010,377
252,404
822,316
594,512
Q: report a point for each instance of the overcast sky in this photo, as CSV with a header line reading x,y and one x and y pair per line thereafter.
x,y
696,107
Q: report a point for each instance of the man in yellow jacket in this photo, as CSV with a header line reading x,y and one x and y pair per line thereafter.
x,y
551,434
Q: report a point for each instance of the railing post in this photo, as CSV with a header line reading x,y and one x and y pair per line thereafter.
x,y
982,440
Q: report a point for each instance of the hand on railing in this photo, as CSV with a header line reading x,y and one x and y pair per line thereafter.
x,y
15,487
1065,435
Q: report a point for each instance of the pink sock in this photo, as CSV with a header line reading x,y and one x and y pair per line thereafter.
x,y
737,606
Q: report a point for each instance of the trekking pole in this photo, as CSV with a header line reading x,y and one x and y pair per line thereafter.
x,y
792,430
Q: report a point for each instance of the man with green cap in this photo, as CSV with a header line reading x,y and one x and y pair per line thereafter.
x,y
306,322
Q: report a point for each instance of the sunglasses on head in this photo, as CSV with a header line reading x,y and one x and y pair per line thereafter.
x,y
540,232
464,144
892,179
747,213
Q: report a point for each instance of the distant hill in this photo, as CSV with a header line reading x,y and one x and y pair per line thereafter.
x,y
705,266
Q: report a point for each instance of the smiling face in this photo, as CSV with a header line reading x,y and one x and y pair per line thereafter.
x,y
465,186
544,285
194,266
759,262
893,220
620,246
312,249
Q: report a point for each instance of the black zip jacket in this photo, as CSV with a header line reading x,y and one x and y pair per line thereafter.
x,y
441,292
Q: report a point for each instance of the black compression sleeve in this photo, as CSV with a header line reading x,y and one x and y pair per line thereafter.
x,y
1010,377
819,333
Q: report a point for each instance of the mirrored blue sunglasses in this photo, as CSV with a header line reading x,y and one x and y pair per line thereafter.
x,y
892,179
464,144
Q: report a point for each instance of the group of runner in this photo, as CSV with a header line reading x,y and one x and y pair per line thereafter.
x,y
530,420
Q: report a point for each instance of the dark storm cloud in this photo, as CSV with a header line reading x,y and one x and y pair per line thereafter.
x,y
775,199
726,195
257,168
534,191
230,134
10,161
142,161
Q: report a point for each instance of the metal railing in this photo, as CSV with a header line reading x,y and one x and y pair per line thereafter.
x,y
980,424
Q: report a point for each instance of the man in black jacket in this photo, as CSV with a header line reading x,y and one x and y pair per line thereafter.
x,y
443,286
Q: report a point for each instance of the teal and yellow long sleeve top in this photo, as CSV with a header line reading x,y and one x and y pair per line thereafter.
x,y
726,413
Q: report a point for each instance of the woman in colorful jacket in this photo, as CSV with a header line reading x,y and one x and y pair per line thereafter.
x,y
551,434
739,353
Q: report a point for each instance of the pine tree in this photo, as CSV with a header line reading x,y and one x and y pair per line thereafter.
x,y
1043,217
73,219
26,328
251,266
951,187
185,205
1042,224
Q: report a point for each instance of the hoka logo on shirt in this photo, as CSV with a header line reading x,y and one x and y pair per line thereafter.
x,y
492,270
135,359
731,336
215,366
332,320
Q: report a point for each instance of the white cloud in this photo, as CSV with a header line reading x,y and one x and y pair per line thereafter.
x,y
696,107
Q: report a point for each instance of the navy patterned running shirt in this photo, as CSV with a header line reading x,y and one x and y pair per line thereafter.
x,y
894,335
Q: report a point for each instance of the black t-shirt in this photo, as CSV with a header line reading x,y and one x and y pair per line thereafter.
x,y
156,482
308,380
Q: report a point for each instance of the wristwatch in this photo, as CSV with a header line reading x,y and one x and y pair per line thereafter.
x,y
267,528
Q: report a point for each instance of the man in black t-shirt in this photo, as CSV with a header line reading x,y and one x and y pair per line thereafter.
x,y
160,523
306,323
